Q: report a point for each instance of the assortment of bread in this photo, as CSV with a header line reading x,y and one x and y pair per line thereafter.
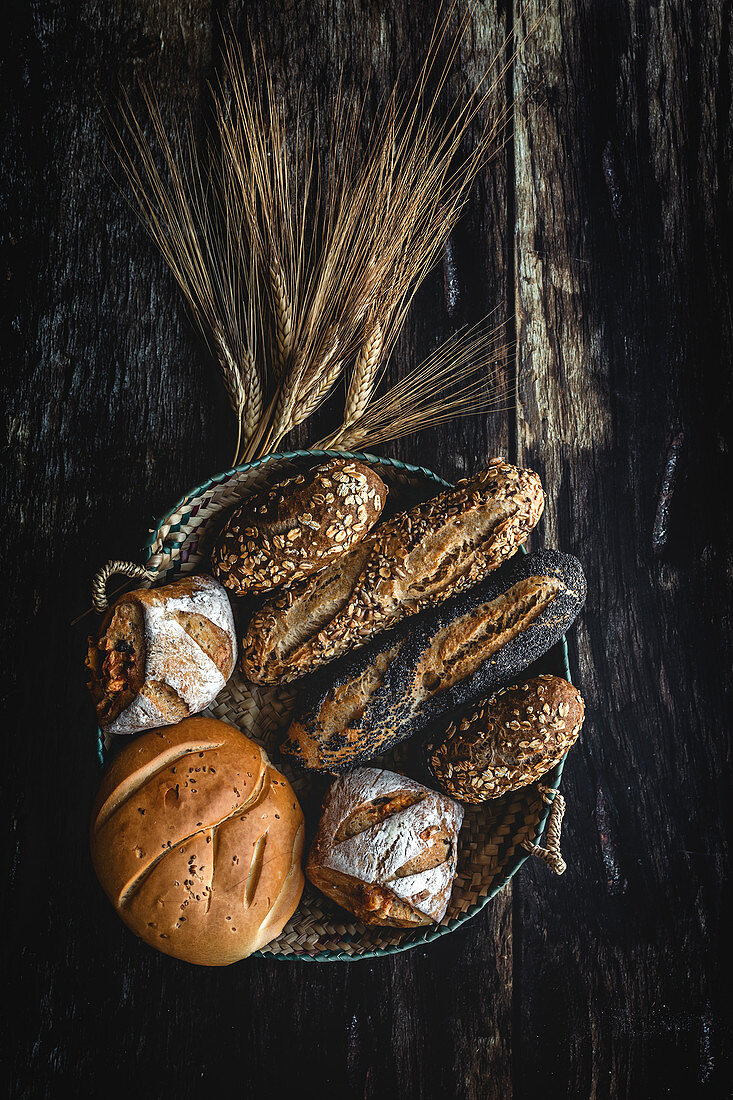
x,y
415,561
196,838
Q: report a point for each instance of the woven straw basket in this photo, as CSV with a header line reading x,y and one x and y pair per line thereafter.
x,y
495,839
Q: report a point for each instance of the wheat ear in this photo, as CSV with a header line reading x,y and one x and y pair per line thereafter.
x,y
283,311
310,401
364,377
243,386
361,385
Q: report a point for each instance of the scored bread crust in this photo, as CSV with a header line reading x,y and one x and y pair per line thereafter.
x,y
197,840
179,648
451,655
511,740
414,561
295,528
386,848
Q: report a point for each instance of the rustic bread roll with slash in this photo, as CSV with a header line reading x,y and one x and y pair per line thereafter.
x,y
295,528
414,561
425,669
386,848
161,654
198,841
511,740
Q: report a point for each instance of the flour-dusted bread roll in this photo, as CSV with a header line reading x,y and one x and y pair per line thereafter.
x,y
198,841
295,528
510,740
414,561
161,655
386,848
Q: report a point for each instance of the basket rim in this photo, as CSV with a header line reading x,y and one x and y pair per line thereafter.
x,y
552,779
362,456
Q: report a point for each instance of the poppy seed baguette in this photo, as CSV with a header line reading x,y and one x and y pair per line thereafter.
x,y
427,668
414,561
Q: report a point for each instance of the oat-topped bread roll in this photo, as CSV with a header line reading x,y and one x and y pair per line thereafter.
x,y
161,654
293,529
425,669
198,841
414,561
509,741
386,848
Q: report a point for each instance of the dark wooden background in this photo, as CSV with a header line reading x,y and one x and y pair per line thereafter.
x,y
600,233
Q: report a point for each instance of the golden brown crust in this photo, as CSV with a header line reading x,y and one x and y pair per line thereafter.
x,y
427,669
414,561
197,841
297,527
510,740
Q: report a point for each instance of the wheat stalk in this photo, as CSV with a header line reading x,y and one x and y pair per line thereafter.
x,y
364,376
283,312
341,241
467,374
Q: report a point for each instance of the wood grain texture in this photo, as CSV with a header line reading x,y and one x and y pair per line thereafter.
x,y
600,232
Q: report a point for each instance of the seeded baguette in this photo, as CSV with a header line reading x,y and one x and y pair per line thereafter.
x,y
295,528
425,669
511,739
386,848
414,561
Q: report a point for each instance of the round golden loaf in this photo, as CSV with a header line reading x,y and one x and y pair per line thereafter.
x,y
292,530
511,740
198,841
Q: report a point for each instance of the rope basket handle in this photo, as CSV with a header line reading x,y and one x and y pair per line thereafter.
x,y
99,584
551,854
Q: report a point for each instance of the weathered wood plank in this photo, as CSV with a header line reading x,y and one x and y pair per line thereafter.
x,y
618,278
428,1003
604,983
131,415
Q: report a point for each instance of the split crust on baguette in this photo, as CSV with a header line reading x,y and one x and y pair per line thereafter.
x,y
415,561
401,684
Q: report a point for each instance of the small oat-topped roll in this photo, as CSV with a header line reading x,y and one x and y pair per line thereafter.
x,y
510,740
295,528
386,848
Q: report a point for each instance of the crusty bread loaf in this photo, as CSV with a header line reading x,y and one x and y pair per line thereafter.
x,y
161,654
295,528
197,841
509,741
425,669
386,848
414,561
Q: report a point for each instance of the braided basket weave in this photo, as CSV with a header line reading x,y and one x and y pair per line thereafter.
x,y
495,838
